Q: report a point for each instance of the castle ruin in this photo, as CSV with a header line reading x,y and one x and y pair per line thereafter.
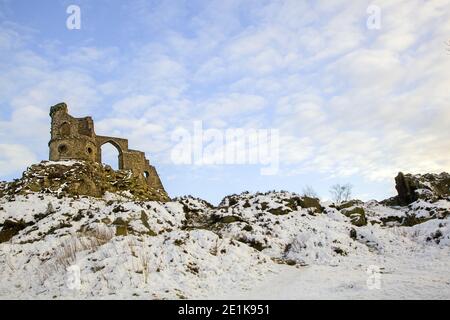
x,y
75,139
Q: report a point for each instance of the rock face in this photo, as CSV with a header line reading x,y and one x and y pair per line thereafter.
x,y
406,189
354,210
309,202
429,186
10,229
357,215
83,178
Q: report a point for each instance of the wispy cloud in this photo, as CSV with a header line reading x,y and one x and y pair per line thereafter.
x,y
348,101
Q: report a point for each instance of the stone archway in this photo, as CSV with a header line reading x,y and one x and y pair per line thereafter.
x,y
117,147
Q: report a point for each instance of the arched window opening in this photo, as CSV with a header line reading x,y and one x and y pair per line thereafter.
x,y
110,155
65,130
62,149
146,174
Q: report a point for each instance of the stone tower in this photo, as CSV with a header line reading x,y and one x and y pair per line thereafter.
x,y
71,138
75,139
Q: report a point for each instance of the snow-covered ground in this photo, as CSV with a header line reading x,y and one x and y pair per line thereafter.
x,y
421,276
253,246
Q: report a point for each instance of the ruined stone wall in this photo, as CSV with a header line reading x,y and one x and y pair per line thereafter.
x,y
75,139
120,144
71,138
153,178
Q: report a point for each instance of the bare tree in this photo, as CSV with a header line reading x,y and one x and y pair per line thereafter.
x,y
341,193
308,191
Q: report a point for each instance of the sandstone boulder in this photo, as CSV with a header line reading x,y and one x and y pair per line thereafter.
x,y
309,202
430,187
357,215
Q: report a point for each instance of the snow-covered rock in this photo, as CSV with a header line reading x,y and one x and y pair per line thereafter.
x,y
430,187
120,247
81,178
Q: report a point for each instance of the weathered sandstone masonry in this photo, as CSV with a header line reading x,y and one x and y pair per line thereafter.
x,y
75,139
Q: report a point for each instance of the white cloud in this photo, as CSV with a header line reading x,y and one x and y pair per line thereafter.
x,y
347,100
233,104
14,158
388,109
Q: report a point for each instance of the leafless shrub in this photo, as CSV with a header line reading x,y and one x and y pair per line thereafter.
x,y
66,253
145,264
99,235
132,245
308,191
341,193
9,263
141,261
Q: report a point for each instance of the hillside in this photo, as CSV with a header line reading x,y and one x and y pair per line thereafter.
x,y
258,245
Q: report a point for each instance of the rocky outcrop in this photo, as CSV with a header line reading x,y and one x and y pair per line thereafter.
x,y
309,202
10,228
357,215
406,188
83,178
284,203
430,187
354,210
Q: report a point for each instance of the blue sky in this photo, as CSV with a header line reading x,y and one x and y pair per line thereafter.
x,y
351,104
